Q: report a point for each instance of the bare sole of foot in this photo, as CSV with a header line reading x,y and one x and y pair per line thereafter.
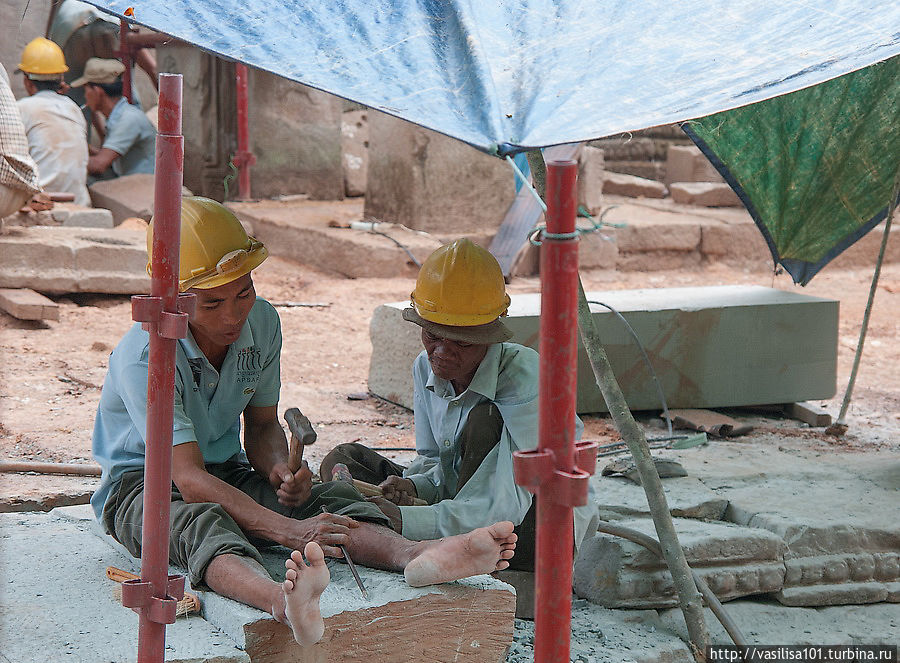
x,y
303,585
484,550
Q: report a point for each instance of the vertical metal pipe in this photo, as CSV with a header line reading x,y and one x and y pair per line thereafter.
x,y
556,414
243,131
161,378
126,57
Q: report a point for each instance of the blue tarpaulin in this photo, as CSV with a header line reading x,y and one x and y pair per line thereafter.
x,y
508,75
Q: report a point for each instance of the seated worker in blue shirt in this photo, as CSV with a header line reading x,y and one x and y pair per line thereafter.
x,y
130,143
475,402
227,500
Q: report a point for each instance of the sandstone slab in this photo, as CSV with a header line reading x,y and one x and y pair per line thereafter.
x,y
687,498
591,178
734,561
130,195
707,194
303,231
632,186
57,260
686,163
690,335
427,181
70,214
355,151
26,304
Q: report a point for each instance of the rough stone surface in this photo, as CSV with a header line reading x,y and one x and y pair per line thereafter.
x,y
59,260
70,214
24,20
26,304
591,176
687,498
131,195
767,622
421,179
734,561
600,635
834,515
57,605
632,186
686,163
355,151
688,333
707,194
302,233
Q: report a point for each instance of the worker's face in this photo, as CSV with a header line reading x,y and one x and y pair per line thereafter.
x,y
222,311
453,360
91,96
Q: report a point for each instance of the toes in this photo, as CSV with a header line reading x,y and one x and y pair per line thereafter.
x,y
314,554
507,554
502,564
288,586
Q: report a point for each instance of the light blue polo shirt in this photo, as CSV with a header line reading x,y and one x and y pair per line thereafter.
x,y
208,403
129,132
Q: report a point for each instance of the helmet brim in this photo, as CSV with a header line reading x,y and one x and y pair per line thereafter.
x,y
488,334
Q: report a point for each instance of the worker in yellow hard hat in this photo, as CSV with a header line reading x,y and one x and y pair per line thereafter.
x,y
54,125
228,495
475,403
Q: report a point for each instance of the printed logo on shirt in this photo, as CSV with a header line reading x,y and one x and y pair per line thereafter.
x,y
249,364
248,391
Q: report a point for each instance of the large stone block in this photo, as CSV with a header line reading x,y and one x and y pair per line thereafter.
x,y
427,181
70,214
24,20
127,196
706,194
686,163
591,177
690,335
687,498
58,260
734,561
355,151
621,184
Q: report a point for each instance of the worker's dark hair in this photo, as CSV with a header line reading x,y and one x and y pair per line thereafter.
x,y
112,90
53,86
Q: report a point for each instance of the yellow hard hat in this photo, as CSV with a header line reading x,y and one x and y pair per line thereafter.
x,y
215,248
460,285
42,58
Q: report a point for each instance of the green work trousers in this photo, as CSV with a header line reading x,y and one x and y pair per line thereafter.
x,y
480,434
200,531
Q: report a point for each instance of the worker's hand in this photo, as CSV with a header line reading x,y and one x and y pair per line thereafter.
x,y
40,202
329,530
399,490
391,510
293,489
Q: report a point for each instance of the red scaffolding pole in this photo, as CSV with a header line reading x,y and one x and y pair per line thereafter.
x,y
558,471
164,314
244,158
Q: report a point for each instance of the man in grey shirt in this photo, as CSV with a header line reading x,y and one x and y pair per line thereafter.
x,y
130,143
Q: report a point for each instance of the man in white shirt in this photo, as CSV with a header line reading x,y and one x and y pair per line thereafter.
x,y
475,403
54,125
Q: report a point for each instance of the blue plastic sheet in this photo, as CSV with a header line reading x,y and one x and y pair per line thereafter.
x,y
510,75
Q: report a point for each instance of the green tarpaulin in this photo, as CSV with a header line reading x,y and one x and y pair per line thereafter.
x,y
814,167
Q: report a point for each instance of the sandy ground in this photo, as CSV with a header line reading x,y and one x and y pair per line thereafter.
x,y
51,373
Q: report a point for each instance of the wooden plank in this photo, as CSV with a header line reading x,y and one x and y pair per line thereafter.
x,y
523,215
808,413
26,304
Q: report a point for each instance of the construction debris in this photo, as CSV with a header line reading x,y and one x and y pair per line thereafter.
x,y
26,304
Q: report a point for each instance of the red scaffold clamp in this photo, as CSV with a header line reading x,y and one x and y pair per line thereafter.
x,y
536,470
138,595
148,310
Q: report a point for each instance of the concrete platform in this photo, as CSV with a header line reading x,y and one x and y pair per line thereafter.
x,y
690,334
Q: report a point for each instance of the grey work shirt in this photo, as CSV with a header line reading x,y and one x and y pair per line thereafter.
x,y
508,377
130,134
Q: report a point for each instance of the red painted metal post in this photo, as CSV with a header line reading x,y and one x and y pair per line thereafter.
x,y
169,325
557,471
244,158
127,58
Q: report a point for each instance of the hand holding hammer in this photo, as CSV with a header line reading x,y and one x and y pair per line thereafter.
x,y
293,491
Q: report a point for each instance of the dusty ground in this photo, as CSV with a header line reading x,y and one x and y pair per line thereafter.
x,y
51,373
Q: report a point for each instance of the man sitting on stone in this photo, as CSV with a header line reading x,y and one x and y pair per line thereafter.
x,y
130,143
475,403
227,500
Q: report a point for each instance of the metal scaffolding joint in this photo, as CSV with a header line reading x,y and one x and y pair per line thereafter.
x,y
138,595
536,471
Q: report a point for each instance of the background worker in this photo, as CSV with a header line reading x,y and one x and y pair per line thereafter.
x,y
228,498
130,143
475,403
54,125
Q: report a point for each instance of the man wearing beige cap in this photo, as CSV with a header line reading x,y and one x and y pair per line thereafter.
x,y
130,143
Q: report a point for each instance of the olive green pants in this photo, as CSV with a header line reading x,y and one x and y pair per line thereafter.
x,y
480,434
200,531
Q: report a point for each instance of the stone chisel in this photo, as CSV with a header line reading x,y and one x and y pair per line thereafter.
x,y
352,566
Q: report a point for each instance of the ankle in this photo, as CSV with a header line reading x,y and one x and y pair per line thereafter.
x,y
278,611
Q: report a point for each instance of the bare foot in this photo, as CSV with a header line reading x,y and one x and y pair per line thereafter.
x,y
483,550
302,587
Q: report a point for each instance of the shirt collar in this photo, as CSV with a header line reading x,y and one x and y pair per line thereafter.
x,y
117,109
193,351
484,381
